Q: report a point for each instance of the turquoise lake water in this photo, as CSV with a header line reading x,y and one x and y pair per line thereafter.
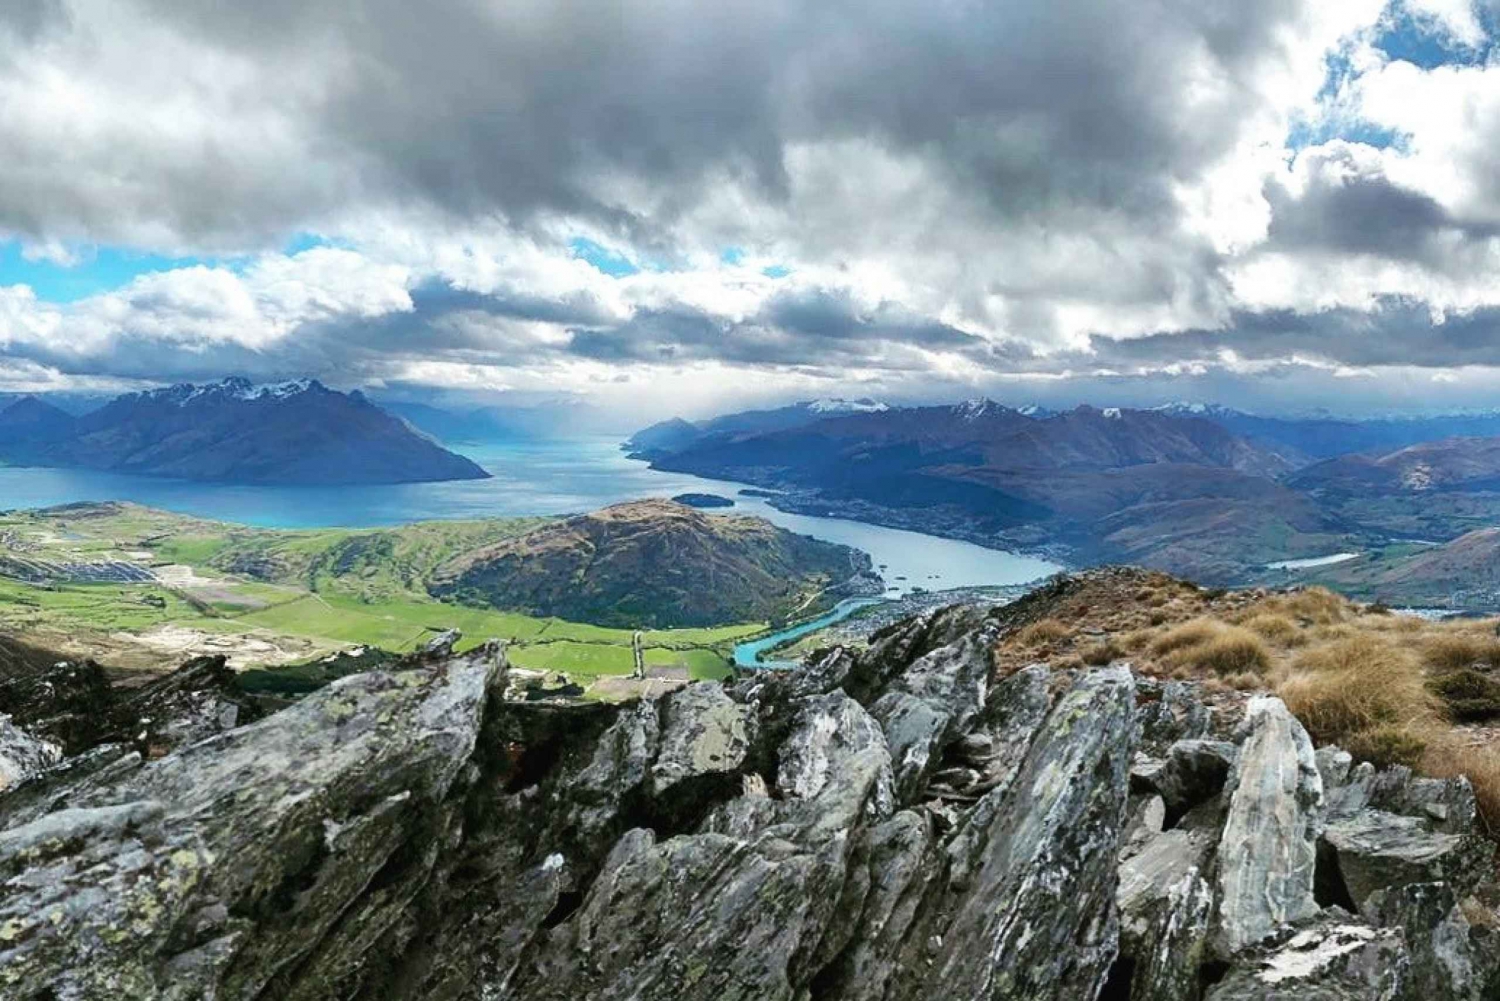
x,y
532,478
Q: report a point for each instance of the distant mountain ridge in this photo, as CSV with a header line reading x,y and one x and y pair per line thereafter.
x,y
1168,489
1327,437
1449,464
234,431
674,434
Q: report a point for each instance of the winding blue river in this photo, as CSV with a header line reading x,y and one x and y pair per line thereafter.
x,y
749,654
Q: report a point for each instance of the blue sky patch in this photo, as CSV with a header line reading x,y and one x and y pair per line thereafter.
x,y
105,269
1422,42
100,270
610,262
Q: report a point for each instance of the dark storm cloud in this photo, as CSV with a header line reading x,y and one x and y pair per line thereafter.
x,y
813,328
530,106
1355,210
1397,333
27,19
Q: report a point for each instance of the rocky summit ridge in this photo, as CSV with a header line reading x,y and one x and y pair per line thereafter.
x,y
893,823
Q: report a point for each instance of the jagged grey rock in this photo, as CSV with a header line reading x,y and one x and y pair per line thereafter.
x,y
1192,772
741,908
1145,819
1375,850
215,871
1336,959
22,756
928,705
1054,837
417,835
1267,855
706,733
1166,904
1445,962
1170,711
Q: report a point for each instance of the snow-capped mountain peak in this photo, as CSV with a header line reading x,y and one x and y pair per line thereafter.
x,y
232,388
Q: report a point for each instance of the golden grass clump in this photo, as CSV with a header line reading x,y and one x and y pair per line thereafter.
x,y
1357,692
1232,651
1316,604
1102,653
1454,651
1274,628
1194,632
1044,632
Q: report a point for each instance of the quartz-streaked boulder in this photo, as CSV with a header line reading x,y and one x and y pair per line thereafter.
x,y
1336,959
22,756
1375,850
1051,835
1267,855
1166,904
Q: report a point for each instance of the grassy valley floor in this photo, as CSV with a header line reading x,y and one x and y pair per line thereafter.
x,y
142,589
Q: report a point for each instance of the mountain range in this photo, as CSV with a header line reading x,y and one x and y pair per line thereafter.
x,y
233,431
1206,491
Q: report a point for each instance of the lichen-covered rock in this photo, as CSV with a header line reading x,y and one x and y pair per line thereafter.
x,y
884,826
1169,711
1375,850
219,869
199,700
741,908
61,701
1267,854
1166,904
22,756
705,735
1336,959
1051,835
930,704
1444,963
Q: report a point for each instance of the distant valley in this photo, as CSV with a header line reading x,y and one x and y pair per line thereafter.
x,y
235,432
141,588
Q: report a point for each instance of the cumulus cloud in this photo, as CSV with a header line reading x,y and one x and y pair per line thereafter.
x,y
891,196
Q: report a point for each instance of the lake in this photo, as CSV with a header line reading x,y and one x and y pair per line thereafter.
x,y
530,478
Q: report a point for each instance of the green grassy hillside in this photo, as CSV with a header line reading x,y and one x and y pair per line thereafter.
x,y
269,597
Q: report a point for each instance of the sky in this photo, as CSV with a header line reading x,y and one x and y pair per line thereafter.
x,y
662,206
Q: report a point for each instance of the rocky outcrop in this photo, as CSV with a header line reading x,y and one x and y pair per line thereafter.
x,y
1267,852
22,756
885,825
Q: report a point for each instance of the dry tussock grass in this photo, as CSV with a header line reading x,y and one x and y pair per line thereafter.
x,y
1194,632
1360,691
1387,688
1231,651
1044,632
1455,651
